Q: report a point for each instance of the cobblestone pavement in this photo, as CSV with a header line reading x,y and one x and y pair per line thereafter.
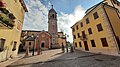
x,y
77,59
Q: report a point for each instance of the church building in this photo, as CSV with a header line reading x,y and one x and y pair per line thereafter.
x,y
52,27
45,39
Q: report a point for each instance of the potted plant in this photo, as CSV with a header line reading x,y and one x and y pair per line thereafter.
x,y
11,16
4,10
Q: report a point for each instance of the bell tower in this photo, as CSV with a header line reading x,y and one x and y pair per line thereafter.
x,y
52,27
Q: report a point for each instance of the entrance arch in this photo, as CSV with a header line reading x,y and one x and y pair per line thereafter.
x,y
43,44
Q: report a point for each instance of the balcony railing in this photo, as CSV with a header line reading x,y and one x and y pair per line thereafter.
x,y
83,37
6,18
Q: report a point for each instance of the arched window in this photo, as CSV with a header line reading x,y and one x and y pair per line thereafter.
x,y
53,15
29,43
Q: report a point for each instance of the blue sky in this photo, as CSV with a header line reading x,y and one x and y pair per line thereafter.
x,y
69,12
68,6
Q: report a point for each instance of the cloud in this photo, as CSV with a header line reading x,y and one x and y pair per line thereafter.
x,y
65,21
37,17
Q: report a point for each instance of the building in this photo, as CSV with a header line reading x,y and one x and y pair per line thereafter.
x,y
27,39
11,21
43,39
52,27
47,39
61,39
98,31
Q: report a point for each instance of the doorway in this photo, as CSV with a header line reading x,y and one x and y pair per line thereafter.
x,y
43,44
86,46
118,41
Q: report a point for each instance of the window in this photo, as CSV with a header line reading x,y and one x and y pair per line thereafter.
x,y
53,15
104,42
81,24
93,43
99,27
75,44
80,44
74,37
114,2
29,43
62,43
78,35
87,21
15,0
83,34
2,43
95,15
77,27
73,29
14,46
90,31
117,4
58,35
23,43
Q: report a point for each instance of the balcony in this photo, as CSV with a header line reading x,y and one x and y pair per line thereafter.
x,y
6,19
83,37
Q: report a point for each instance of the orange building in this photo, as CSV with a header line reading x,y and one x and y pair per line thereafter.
x,y
44,40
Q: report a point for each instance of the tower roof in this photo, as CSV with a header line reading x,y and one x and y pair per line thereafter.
x,y
52,10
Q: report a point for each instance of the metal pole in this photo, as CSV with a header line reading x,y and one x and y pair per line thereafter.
x,y
34,46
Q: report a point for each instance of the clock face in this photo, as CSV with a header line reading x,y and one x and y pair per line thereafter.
x,y
43,35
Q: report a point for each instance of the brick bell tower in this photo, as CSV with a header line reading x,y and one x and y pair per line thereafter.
x,y
52,27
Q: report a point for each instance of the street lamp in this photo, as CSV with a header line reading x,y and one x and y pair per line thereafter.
x,y
66,42
34,43
38,44
34,37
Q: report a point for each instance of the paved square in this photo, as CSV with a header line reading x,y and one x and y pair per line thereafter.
x,y
54,58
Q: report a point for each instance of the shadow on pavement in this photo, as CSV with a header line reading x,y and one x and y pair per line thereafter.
x,y
76,59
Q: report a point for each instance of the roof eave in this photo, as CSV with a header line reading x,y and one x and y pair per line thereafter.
x,y
23,5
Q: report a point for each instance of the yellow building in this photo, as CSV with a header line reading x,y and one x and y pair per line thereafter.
x,y
98,31
11,22
61,39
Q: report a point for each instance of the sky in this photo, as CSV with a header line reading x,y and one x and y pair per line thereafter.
x,y
68,13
